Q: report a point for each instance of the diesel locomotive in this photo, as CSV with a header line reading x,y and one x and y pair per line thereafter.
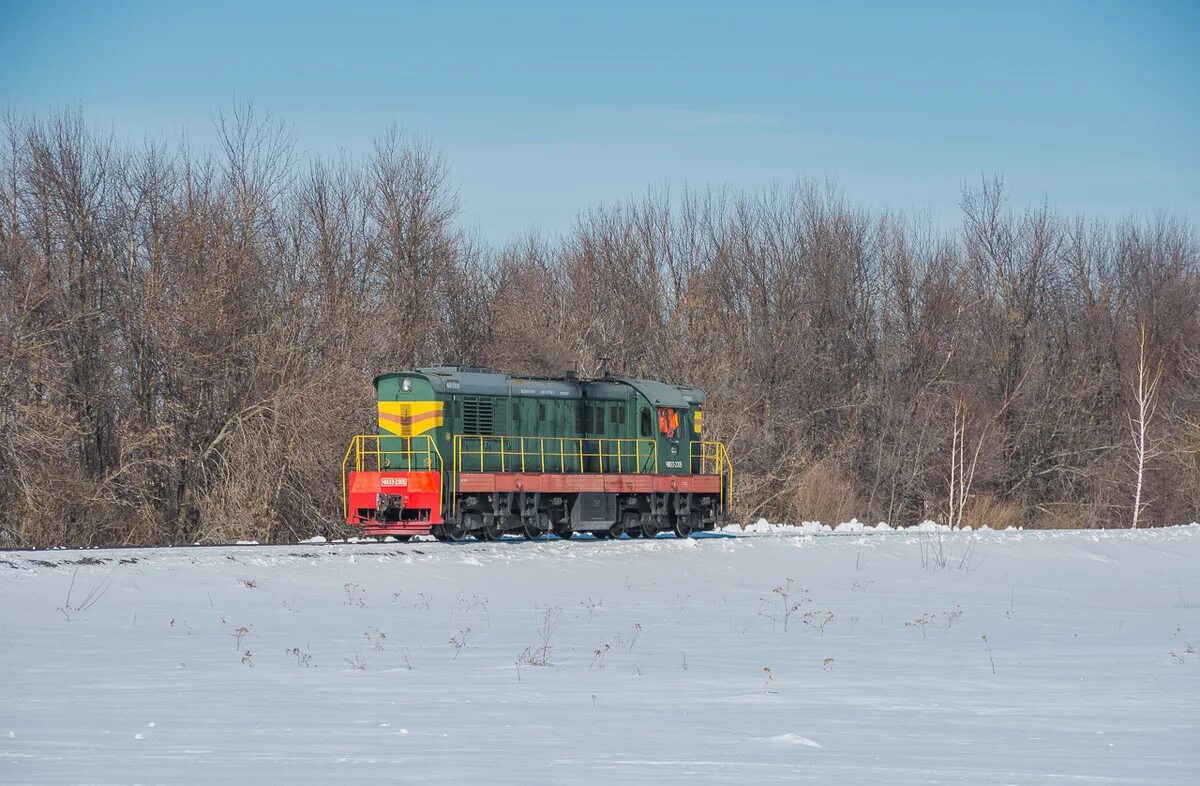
x,y
464,451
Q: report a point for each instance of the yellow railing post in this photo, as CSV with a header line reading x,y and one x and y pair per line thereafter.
x,y
713,459
729,468
346,481
431,448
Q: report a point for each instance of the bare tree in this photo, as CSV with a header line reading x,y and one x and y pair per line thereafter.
x,y
1145,400
962,471
187,336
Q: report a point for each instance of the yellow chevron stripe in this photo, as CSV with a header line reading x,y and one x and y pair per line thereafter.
x,y
409,418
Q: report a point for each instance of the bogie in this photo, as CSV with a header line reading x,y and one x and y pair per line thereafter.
x,y
641,516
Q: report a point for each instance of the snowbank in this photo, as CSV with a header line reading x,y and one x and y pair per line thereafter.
x,y
1015,657
764,527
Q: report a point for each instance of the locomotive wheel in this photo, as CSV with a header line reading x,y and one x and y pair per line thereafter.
x,y
631,524
564,532
683,526
453,532
536,527
687,524
471,525
616,531
649,531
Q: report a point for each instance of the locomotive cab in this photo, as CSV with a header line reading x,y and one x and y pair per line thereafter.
x,y
395,486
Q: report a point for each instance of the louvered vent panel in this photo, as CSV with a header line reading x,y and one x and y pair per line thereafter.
x,y
478,415
499,416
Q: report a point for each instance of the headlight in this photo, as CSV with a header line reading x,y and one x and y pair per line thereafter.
x,y
406,385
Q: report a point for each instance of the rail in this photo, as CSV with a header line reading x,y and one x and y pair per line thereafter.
x,y
709,457
386,452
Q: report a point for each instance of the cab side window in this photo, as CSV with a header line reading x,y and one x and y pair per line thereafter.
x,y
668,422
647,426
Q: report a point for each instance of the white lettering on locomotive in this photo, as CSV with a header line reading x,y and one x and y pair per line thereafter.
x,y
393,481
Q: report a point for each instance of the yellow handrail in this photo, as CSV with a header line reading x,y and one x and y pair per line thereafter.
x,y
538,454
712,459
361,446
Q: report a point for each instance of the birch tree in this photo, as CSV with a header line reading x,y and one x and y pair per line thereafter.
x,y
1145,399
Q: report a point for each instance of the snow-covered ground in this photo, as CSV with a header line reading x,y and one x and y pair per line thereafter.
x,y
898,657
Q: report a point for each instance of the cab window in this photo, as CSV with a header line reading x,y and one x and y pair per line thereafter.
x,y
668,422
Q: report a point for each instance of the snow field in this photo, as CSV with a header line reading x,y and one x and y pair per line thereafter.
x,y
908,657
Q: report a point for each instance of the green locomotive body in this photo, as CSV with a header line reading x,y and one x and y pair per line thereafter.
x,y
466,451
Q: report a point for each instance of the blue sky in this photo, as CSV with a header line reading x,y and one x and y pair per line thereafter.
x,y
545,109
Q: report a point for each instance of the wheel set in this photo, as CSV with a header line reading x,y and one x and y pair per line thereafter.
x,y
491,532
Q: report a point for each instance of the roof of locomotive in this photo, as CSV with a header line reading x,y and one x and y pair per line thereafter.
x,y
485,382
663,394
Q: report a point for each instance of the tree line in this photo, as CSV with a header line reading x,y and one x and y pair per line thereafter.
x,y
187,337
